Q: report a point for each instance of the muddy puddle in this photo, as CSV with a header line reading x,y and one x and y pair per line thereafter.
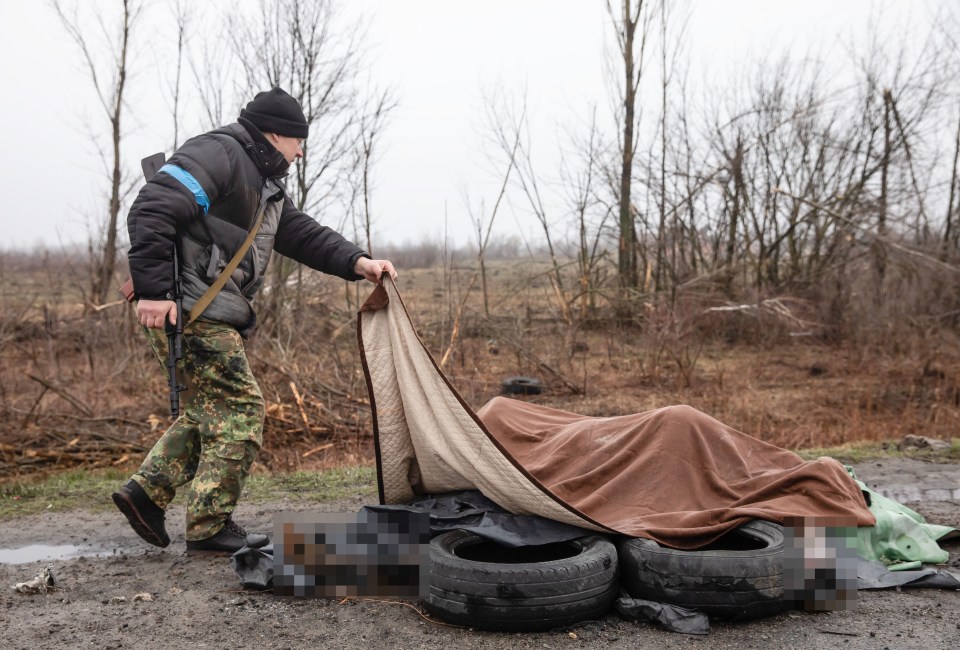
x,y
46,552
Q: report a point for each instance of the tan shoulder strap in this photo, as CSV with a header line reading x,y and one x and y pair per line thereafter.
x,y
214,289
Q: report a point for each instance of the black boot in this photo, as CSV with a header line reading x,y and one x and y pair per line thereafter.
x,y
231,538
145,517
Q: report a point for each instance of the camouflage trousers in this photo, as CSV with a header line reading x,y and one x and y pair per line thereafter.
x,y
218,434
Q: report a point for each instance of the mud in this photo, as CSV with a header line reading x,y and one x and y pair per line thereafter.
x,y
197,601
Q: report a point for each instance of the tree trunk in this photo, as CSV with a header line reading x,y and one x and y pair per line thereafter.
x,y
949,236
627,249
104,278
736,171
880,256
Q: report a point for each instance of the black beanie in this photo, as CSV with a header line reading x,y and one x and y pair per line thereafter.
x,y
274,111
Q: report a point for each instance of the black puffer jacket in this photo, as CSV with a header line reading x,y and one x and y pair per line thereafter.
x,y
206,199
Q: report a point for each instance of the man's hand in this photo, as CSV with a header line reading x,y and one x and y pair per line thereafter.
x,y
155,313
371,269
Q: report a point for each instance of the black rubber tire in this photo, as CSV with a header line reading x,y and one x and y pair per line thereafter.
x,y
522,386
729,584
525,596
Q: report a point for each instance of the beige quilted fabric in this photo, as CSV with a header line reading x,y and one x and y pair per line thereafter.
x,y
429,440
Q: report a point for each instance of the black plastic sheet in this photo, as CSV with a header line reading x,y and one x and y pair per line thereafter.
x,y
471,511
669,617
254,566
872,574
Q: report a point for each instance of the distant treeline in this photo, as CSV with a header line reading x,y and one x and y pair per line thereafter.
x,y
834,179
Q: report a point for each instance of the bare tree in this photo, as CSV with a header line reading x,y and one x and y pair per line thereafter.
x,y
527,178
671,45
509,143
109,82
484,227
212,70
580,181
304,47
181,14
370,129
631,48
953,210
358,180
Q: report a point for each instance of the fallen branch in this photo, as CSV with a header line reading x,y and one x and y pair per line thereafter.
x,y
82,418
98,308
62,392
777,307
299,400
316,449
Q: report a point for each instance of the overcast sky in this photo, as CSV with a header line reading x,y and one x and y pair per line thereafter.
x,y
439,55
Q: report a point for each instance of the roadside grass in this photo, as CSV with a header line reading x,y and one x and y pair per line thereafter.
x,y
73,489
856,452
326,485
91,489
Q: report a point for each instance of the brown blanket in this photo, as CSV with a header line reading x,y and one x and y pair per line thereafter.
x,y
673,474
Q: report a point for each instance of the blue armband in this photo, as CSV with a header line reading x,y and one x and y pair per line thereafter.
x,y
190,182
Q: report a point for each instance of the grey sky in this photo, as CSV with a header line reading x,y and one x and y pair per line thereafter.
x,y
438,54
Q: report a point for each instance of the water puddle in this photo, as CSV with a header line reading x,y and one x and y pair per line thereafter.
x,y
44,552
909,493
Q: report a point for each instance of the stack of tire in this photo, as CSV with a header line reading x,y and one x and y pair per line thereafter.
x,y
739,578
480,584
477,583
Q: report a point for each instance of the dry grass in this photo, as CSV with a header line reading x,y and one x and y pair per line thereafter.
x,y
105,396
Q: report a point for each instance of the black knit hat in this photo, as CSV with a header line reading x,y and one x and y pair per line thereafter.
x,y
275,111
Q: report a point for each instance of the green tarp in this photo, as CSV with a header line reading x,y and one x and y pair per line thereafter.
x,y
901,539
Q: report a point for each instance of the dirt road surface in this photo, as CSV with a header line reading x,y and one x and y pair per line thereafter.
x,y
197,602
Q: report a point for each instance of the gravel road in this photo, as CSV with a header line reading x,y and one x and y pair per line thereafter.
x,y
196,601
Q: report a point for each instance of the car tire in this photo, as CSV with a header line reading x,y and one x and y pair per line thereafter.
x,y
480,584
522,386
737,578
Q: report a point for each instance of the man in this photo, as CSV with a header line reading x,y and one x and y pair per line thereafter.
x,y
204,202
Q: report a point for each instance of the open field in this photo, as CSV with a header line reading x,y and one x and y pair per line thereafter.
x,y
79,388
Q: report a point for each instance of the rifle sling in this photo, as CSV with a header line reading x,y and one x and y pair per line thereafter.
x,y
218,284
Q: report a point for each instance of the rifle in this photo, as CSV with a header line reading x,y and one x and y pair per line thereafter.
x,y
150,166
175,339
